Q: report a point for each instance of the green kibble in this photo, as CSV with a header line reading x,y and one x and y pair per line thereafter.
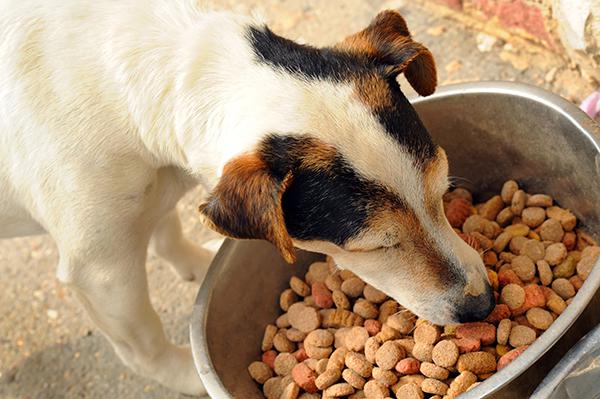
x,y
566,269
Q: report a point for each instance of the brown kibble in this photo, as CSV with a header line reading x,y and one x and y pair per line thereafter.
x,y
320,338
352,378
521,335
502,241
431,370
340,300
387,333
333,282
477,362
545,272
556,304
576,281
267,342
386,377
551,230
566,218
427,333
365,309
284,363
295,335
336,318
409,391
516,244
505,216
533,249
317,352
430,385
286,299
555,253
563,288
387,309
589,257
372,294
423,352
353,287
491,208
371,347
341,389
318,272
272,388
509,188
513,295
533,216
328,378
388,355
503,331
337,360
282,343
517,230
356,338
303,318
445,354
291,391
299,286
566,268
260,372
461,383
376,390
518,202
524,267
359,364
401,322
539,200
283,321
539,318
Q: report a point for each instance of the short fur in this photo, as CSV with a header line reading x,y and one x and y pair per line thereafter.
x,y
111,110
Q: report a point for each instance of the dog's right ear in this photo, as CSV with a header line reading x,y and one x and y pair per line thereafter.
x,y
246,203
388,42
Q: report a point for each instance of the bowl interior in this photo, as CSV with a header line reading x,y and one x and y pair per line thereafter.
x,y
488,135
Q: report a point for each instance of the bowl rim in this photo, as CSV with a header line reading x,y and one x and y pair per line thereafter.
x,y
570,111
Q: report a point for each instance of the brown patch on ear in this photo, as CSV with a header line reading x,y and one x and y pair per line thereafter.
x,y
373,91
388,41
246,203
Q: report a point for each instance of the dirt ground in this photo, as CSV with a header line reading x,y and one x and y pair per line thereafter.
x,y
48,347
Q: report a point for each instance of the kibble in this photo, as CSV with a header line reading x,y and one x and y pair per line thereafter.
x,y
340,337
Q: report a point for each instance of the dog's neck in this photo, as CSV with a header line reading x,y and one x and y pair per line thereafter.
x,y
201,98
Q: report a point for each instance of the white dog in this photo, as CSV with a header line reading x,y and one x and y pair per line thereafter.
x,y
111,110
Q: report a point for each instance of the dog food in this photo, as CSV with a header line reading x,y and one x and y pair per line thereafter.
x,y
339,337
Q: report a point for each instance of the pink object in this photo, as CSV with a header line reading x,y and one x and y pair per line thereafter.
x,y
591,104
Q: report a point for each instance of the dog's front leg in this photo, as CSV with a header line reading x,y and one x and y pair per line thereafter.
x,y
112,285
189,260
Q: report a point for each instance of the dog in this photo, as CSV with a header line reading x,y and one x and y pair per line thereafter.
x,y
111,110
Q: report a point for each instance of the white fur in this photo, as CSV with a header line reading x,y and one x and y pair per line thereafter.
x,y
111,110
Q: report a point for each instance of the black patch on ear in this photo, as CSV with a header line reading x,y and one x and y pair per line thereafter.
x,y
332,204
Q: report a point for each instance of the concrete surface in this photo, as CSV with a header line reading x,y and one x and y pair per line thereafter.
x,y
48,347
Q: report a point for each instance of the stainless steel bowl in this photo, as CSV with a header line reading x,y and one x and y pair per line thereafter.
x,y
491,131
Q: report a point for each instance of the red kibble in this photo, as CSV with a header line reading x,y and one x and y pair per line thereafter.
x,y
300,355
269,358
457,211
467,344
510,356
304,377
483,332
570,240
372,326
321,295
534,298
408,366
501,311
507,276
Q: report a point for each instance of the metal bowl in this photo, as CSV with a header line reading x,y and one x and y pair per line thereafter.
x,y
491,131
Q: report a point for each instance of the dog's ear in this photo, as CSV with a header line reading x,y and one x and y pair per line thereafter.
x,y
246,203
387,41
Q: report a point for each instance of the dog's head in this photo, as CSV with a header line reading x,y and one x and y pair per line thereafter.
x,y
358,177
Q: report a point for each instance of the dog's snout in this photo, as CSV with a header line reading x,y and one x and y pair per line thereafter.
x,y
476,308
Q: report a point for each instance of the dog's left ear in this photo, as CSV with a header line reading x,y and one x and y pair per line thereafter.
x,y
246,203
387,40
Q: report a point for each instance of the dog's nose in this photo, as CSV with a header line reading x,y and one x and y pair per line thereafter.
x,y
476,308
